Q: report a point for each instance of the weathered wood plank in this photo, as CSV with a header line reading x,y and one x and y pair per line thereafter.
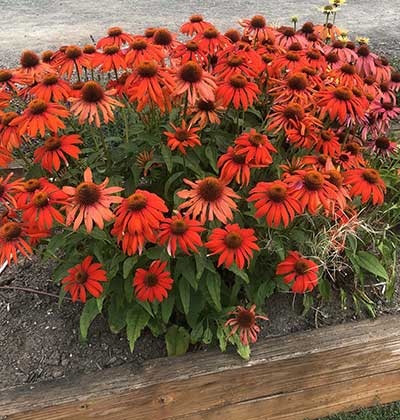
x,y
305,374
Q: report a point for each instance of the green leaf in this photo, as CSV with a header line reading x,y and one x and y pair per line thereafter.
x,y
89,313
136,320
240,273
167,156
207,336
371,263
129,263
197,332
99,234
167,305
186,268
222,340
177,340
184,293
213,282
170,181
211,154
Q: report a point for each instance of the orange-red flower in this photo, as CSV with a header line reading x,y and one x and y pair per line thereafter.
x,y
183,231
195,25
276,202
8,190
153,283
140,49
239,91
206,112
245,321
93,99
55,148
328,143
115,36
51,88
39,116
85,277
299,270
256,28
208,197
9,79
366,183
70,59
112,58
5,157
211,41
256,147
27,189
4,99
295,87
13,238
235,63
90,203
190,51
182,137
9,136
32,67
233,244
234,165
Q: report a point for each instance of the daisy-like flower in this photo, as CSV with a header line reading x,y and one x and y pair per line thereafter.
x,y
342,194
256,147
51,88
84,278
239,91
190,51
340,103
245,321
234,165
394,83
366,183
206,112
5,157
180,231
54,150
312,189
384,113
299,270
9,135
70,60
41,208
138,218
112,58
153,283
294,88
146,85
382,145
140,49
232,244
32,67
211,40
195,25
39,116
191,79
90,203
302,137
92,99
276,202
13,237
346,55
235,63
115,36
5,98
315,59
165,39
346,75
256,28
328,143
9,79
286,36
365,63
208,197
291,61
27,189
8,190
182,137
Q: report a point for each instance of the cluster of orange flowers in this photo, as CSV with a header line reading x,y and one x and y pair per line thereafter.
x,y
327,100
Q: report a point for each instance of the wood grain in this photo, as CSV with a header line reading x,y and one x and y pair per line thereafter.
x,y
304,375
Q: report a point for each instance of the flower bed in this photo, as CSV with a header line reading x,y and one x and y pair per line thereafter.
x,y
181,183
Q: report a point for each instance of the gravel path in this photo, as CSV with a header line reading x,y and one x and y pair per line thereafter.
x,y
43,24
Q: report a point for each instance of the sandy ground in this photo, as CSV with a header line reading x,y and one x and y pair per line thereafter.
x,y
44,24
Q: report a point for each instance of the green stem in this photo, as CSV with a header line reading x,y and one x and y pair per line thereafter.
x,y
125,117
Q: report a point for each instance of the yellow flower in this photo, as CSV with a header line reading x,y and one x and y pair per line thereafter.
x,y
328,9
337,2
362,40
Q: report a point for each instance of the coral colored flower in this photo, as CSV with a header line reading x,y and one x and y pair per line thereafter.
x,y
245,321
9,136
366,183
153,283
27,189
9,79
92,99
31,65
234,165
165,39
83,278
39,116
256,147
299,270
182,137
180,231
286,36
190,51
70,60
295,87
211,41
256,28
8,190
41,208
195,25
112,58
13,238
196,83
328,143
208,197
312,189
346,76
51,88
90,203
235,63
291,61
115,36
276,202
206,112
4,99
383,146
365,62
302,137
54,150
5,157
140,49
233,244
138,218
239,91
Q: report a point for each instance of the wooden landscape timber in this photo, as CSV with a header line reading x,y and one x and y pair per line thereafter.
x,y
300,376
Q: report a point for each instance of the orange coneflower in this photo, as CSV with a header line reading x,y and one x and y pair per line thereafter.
x,y
140,49
312,189
41,211
235,63
39,116
27,189
256,147
8,190
72,58
209,197
13,238
146,84
346,75
165,39
5,98
55,148
9,134
299,270
366,183
245,321
153,283
239,91
291,61
302,137
51,88
275,201
196,83
256,28
85,277
211,40
356,151
182,137
233,244
9,79
32,66
195,25
90,203
5,157
294,88
112,58
183,231
342,194
190,51
206,112
234,165
328,143
286,36
315,59
115,36
92,99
